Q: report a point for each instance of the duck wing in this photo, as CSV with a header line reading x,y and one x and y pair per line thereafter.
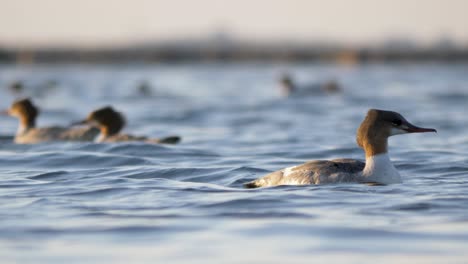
x,y
124,138
79,134
312,172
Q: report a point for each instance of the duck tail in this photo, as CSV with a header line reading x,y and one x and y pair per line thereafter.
x,y
251,185
169,140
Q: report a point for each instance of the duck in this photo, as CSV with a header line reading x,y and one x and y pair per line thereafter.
x,y
110,122
144,89
372,136
289,88
19,89
28,133
16,87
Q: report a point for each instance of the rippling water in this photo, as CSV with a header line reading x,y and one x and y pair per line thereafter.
x,y
132,202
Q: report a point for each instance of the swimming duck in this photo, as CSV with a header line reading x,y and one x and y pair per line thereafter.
x,y
20,90
16,87
144,89
28,133
111,122
289,88
372,136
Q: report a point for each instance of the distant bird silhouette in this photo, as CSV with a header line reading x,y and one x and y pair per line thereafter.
x,y
144,89
290,88
16,88
19,89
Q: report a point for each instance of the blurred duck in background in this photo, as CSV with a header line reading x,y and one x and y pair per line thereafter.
x,y
16,88
28,133
111,122
19,89
290,88
144,89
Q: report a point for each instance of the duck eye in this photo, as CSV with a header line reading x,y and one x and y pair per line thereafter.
x,y
396,122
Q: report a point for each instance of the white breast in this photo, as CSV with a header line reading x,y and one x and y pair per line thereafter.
x,y
380,169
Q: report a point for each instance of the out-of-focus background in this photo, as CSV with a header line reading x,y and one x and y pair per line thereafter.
x,y
145,30
251,87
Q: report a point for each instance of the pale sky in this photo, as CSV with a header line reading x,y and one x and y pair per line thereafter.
x,y
104,22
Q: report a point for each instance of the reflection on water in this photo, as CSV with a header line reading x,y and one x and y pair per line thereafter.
x,y
94,203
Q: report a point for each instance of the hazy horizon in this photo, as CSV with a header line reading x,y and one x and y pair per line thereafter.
x,y
88,23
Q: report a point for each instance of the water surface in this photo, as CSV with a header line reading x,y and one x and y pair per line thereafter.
x,y
133,202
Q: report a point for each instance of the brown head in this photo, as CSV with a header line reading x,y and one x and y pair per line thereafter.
x,y
109,121
25,111
378,126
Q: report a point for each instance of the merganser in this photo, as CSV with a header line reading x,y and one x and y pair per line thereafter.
x,y
28,133
289,88
19,89
110,122
372,136
144,89
16,87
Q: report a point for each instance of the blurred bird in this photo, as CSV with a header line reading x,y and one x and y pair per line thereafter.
x,y
16,88
19,89
111,122
289,88
28,133
144,89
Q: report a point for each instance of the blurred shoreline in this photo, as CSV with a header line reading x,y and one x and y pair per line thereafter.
x,y
225,51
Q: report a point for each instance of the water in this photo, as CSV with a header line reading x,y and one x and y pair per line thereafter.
x,y
131,202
